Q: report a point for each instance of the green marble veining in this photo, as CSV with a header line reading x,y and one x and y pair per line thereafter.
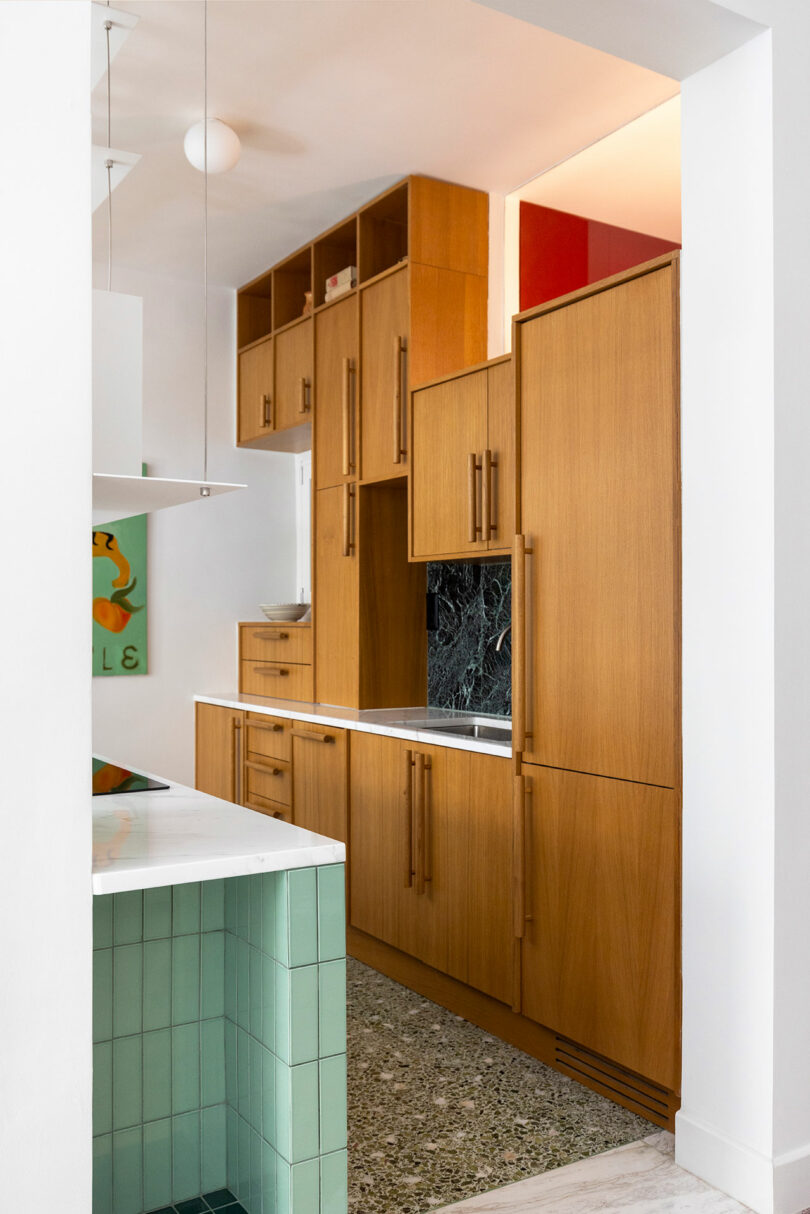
x,y
474,604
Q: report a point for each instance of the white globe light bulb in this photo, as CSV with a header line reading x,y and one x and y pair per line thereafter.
x,y
223,146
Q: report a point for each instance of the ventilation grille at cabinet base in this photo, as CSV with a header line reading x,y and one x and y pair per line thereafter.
x,y
657,1104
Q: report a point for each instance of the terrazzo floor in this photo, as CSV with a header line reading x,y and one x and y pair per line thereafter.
x,y
439,1111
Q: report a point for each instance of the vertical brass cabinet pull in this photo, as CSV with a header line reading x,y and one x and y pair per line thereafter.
x,y
304,400
399,350
519,644
236,749
473,468
348,520
346,403
487,528
419,823
266,405
407,813
427,800
519,856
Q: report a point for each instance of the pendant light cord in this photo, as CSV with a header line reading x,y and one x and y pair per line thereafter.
x,y
108,164
205,239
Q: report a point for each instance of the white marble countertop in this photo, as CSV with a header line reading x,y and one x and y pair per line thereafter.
x,y
391,722
175,835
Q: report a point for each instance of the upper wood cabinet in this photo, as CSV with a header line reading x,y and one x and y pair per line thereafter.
x,y
319,764
384,343
596,678
219,751
600,947
431,856
463,464
255,418
293,382
337,349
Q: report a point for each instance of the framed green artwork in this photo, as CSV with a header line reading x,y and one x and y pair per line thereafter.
x,y
119,597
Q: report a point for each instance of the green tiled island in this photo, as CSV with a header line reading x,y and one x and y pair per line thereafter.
x,y
219,1018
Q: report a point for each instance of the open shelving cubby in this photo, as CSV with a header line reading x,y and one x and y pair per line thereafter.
x,y
254,310
383,233
333,252
291,281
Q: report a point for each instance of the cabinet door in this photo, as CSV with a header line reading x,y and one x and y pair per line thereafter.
x,y
319,779
599,491
293,375
336,608
255,412
600,959
383,377
379,835
219,753
501,431
335,414
449,429
488,843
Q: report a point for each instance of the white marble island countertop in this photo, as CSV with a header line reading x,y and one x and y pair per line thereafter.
x,y
175,835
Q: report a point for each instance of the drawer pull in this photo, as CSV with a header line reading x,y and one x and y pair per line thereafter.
x,y
312,735
266,404
274,672
268,813
264,768
272,636
274,728
304,400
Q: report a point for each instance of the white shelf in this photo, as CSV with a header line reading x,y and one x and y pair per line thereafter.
x,y
116,497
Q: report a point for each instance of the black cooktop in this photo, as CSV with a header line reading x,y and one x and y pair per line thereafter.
x,y
108,778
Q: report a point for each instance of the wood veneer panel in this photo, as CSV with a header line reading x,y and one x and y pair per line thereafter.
x,y
337,337
449,226
336,603
448,322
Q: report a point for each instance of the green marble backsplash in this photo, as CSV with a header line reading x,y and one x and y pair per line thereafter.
x,y
474,605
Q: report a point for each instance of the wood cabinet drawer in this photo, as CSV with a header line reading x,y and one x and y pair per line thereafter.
x,y
275,643
273,809
267,737
271,780
281,680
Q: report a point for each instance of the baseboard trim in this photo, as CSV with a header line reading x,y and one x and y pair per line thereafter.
x,y
767,1186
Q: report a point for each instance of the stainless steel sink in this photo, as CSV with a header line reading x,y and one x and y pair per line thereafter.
x,y
485,732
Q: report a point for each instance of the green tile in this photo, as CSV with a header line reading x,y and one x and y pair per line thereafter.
x,y
102,994
269,883
331,912
212,981
304,998
127,989
303,911
102,1088
303,1112
185,1156
255,1064
242,983
243,908
255,992
232,1145
255,909
231,948
281,1016
282,1128
267,1032
243,1174
332,1103
127,1060
103,920
214,1150
281,919
157,913
185,979
334,1183
268,1124
157,1075
305,1187
231,899
268,1178
157,1164
185,1068
157,984
242,1074
213,906
128,917
332,1007
102,1174
231,1089
283,1186
212,1048
185,908
127,1172
255,1191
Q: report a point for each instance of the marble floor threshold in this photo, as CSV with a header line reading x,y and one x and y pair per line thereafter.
x,y
641,1177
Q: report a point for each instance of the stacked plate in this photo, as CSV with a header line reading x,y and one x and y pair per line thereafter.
x,y
284,611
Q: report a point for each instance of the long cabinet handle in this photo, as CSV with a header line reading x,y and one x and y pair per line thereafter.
x,y
399,350
519,857
266,406
486,496
274,728
304,399
348,540
312,735
419,823
520,732
407,818
346,408
427,833
272,672
473,468
236,753
265,768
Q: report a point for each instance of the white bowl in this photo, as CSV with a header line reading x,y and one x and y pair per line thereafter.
x,y
287,612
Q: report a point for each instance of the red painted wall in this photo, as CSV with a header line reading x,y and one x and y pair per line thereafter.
x,y
560,252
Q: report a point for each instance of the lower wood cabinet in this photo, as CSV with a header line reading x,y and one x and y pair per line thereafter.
x,y
600,951
421,881
319,766
218,752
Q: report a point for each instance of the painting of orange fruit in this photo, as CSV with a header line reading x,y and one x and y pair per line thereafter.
x,y
119,598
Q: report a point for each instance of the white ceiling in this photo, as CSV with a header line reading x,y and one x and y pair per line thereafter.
x,y
333,100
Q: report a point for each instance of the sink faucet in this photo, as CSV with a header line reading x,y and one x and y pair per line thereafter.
x,y
501,639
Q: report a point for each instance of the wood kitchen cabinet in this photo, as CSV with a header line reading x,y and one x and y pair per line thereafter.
x,y
600,945
463,466
596,676
293,379
319,764
337,348
219,751
420,882
275,659
384,341
255,394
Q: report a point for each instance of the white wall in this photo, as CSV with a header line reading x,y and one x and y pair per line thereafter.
x,y
210,562
45,383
